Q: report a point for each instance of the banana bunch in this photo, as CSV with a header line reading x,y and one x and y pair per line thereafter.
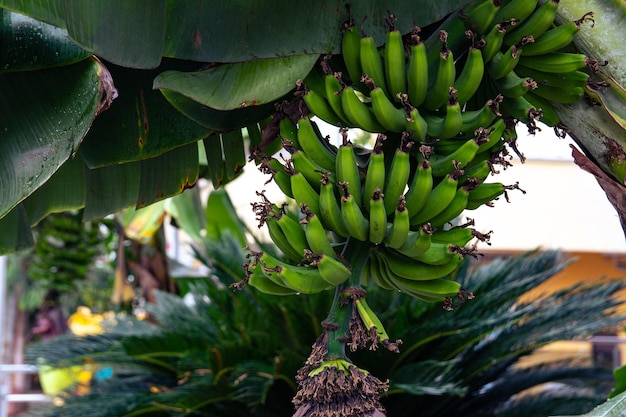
x,y
445,110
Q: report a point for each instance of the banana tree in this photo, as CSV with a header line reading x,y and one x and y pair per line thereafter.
x,y
101,123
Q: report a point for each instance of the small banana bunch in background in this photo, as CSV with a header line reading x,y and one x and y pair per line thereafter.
x,y
443,109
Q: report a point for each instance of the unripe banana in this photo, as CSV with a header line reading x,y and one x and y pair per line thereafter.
x,y
331,269
266,286
398,175
330,210
516,9
512,85
430,291
417,242
459,235
303,164
356,223
480,15
444,77
549,116
394,60
351,50
282,241
560,95
375,175
554,79
303,192
485,193
440,254
408,268
320,107
535,25
521,109
293,230
493,39
417,76
390,117
280,177
442,165
559,62
420,188
503,63
450,124
347,171
438,199
372,62
469,79
303,279
357,112
416,126
312,143
334,87
377,218
557,38
288,131
456,206
474,119
399,230
315,233
371,321
494,135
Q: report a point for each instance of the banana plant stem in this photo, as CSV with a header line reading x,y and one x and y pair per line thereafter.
x,y
338,319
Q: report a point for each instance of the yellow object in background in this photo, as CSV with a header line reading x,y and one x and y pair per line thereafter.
x,y
84,322
54,381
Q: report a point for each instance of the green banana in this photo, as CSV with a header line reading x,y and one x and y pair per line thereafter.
x,y
417,242
446,164
549,116
416,126
371,321
394,60
377,218
287,130
516,9
303,192
479,16
448,125
417,75
351,50
438,199
312,143
408,268
357,112
535,25
372,62
474,119
331,269
493,136
521,109
398,175
399,230
512,85
280,177
330,210
347,171
293,230
315,233
459,235
554,79
438,91
303,164
431,291
441,254
282,241
505,62
456,206
420,188
320,107
267,286
303,279
356,223
390,117
334,85
469,79
493,39
378,272
477,171
375,175
560,95
558,38
486,192
560,62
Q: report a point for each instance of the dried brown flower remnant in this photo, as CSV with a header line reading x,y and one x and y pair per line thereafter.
x,y
339,389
